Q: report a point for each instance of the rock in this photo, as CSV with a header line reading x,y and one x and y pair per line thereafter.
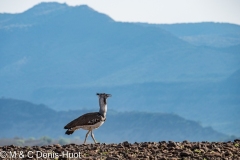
x,y
216,154
217,149
58,150
187,145
126,144
237,140
111,158
228,153
185,154
145,144
205,149
12,146
162,142
120,146
57,146
163,158
185,141
171,144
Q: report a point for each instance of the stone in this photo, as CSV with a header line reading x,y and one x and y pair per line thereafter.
x,y
126,144
217,149
111,158
237,140
57,146
171,144
185,154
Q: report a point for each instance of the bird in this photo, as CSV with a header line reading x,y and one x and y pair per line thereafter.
x,y
90,121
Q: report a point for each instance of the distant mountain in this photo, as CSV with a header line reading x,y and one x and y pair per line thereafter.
x,y
231,49
210,103
30,120
206,34
56,45
61,56
39,14
76,43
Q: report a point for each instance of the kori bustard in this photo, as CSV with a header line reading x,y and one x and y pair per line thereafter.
x,y
90,121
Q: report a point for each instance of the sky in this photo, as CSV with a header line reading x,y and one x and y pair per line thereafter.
x,y
150,11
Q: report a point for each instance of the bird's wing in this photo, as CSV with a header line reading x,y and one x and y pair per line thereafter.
x,y
86,119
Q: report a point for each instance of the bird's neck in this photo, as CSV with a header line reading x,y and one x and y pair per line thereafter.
x,y
103,106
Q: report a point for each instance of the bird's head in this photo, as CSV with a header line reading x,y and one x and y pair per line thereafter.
x,y
103,95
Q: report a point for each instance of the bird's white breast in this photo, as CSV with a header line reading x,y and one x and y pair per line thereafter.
x,y
91,127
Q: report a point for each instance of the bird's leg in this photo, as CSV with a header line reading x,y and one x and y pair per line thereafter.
x,y
93,137
86,136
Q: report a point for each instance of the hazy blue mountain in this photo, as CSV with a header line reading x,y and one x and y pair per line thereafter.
x,y
38,14
214,104
24,119
79,46
61,56
231,49
206,34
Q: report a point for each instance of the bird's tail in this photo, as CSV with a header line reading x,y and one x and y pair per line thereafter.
x,y
68,132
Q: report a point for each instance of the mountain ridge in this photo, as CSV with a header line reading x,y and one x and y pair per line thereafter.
x,y
45,12
30,120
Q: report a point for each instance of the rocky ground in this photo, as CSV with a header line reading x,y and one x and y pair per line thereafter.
x,y
148,150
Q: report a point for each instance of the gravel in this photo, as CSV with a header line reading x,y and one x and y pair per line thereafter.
x,y
146,150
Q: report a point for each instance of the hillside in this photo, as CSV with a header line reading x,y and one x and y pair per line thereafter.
x,y
30,120
213,104
209,34
57,45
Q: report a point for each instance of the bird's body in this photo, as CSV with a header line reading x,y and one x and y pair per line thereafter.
x,y
90,121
